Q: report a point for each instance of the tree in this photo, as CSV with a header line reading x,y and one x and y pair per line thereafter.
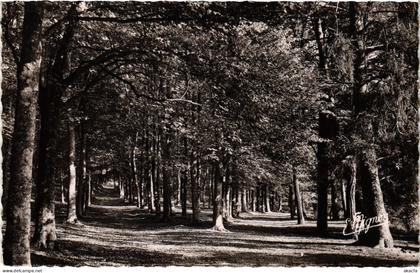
x,y
17,249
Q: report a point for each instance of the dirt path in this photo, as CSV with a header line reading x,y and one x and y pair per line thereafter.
x,y
114,235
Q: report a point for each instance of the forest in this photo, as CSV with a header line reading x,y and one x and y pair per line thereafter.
x,y
209,133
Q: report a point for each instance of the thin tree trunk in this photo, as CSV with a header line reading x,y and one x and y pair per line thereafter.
x,y
122,188
167,189
151,192
280,202
71,213
184,180
239,201
334,202
218,198
344,196
178,192
291,201
134,172
63,198
227,201
254,200
244,201
81,181
267,198
157,174
89,191
195,192
298,199
351,194
211,188
18,211
184,193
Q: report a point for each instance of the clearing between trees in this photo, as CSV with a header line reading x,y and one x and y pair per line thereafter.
x,y
112,234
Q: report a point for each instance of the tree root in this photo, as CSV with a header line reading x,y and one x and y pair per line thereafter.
x,y
219,229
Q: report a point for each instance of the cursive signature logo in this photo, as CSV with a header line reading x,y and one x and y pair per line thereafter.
x,y
361,223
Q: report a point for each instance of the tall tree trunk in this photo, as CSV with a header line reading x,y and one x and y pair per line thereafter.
x,y
368,166
258,198
167,189
267,198
151,192
62,192
227,202
244,201
81,181
254,200
89,191
239,200
351,193
298,199
134,172
167,194
343,186
211,186
122,188
291,201
195,191
328,129
218,198
71,213
372,195
334,202
178,188
184,192
280,202
18,211
157,173
49,100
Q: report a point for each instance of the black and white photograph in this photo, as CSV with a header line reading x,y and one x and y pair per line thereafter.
x,y
209,134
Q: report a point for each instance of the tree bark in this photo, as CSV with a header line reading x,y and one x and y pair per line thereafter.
x,y
253,200
82,177
89,191
178,191
49,101
18,211
351,193
328,129
195,191
368,166
334,202
239,201
344,196
244,201
157,172
71,213
134,172
372,194
167,188
63,198
122,188
267,198
291,201
218,198
184,179
298,199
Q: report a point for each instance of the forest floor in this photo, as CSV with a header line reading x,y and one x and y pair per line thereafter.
x,y
113,234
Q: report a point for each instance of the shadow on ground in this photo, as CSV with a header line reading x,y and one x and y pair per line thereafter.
x,y
114,234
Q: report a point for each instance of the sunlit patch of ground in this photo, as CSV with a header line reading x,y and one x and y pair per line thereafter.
x,y
115,235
